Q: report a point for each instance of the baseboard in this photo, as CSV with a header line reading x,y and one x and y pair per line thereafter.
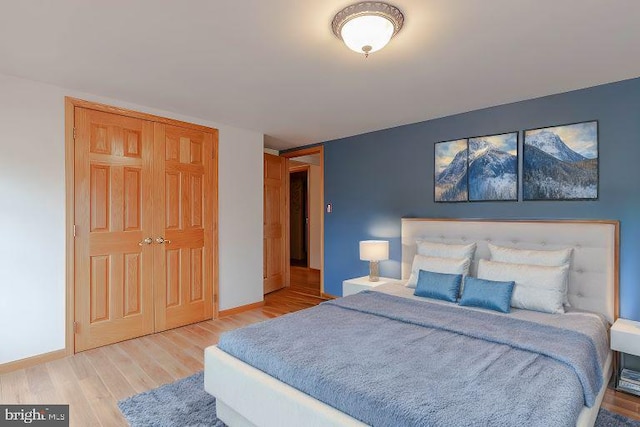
x,y
236,310
328,296
32,361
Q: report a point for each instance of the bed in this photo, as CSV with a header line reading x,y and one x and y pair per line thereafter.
x,y
248,396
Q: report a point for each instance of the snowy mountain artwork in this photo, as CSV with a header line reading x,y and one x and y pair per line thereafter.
x,y
493,167
561,162
450,171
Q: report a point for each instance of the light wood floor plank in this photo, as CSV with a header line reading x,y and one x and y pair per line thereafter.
x,y
208,336
178,355
185,346
135,350
67,386
216,328
101,401
116,383
92,387
196,339
41,387
172,366
130,370
92,382
81,367
14,387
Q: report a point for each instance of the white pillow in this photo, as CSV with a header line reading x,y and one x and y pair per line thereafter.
x,y
538,287
437,265
445,250
552,258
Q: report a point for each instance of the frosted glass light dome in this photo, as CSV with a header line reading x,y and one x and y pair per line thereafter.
x,y
367,34
368,26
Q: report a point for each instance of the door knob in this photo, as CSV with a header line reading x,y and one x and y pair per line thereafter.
x,y
162,240
146,241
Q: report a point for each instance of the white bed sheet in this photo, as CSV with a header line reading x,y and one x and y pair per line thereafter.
x,y
247,396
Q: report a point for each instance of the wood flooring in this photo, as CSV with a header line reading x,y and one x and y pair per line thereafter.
x,y
92,382
305,280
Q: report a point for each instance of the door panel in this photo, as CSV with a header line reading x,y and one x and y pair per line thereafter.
x,y
132,284
183,263
275,222
113,287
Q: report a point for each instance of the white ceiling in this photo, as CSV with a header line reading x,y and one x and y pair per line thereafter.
x,y
274,66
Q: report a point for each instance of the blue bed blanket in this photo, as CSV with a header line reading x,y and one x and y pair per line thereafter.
x,y
392,361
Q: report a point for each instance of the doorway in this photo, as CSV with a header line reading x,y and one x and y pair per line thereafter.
x,y
306,220
299,217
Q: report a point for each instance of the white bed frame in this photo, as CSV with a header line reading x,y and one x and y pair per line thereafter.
x,y
246,396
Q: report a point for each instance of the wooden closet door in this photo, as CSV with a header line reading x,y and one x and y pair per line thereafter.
x,y
276,213
113,216
183,224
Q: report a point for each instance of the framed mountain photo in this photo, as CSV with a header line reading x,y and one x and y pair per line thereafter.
x,y
493,167
450,171
561,162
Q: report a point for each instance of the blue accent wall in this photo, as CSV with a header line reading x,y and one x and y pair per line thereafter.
x,y
375,179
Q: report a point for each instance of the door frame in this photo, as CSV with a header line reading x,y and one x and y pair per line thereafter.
x,y
70,104
318,149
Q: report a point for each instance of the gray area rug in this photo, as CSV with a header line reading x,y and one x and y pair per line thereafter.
x,y
182,403
185,403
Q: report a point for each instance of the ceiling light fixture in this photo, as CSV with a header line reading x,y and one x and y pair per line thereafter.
x,y
368,26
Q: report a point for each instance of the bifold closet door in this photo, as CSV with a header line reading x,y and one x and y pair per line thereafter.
x,y
183,226
113,227
144,224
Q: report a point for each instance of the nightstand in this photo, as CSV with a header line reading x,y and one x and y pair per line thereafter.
x,y
625,339
353,286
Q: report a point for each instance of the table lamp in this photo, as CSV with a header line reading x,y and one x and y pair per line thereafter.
x,y
374,251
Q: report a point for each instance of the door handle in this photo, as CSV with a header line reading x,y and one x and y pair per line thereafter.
x,y
146,241
162,240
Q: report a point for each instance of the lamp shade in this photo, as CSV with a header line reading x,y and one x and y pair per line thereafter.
x,y
367,26
367,34
374,250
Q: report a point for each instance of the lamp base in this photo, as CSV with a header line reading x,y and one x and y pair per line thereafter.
x,y
374,274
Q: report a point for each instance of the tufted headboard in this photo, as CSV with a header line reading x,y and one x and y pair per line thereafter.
x,y
593,275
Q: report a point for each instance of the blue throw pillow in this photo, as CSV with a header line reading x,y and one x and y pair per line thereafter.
x,y
438,285
487,294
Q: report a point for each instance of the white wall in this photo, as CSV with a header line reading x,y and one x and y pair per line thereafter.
x,y
32,197
241,208
32,214
311,159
